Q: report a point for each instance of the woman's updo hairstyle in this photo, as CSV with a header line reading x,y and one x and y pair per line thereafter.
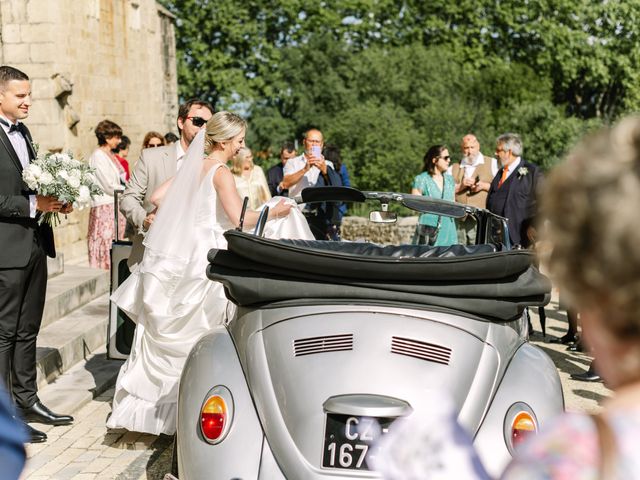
x,y
222,127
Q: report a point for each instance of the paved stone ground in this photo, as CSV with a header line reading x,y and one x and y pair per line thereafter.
x,y
87,450
578,396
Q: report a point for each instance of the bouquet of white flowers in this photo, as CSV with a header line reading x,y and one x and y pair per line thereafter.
x,y
62,176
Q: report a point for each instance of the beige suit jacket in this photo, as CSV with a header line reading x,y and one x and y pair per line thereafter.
x,y
155,166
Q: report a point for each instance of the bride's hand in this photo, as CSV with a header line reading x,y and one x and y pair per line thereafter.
x,y
280,210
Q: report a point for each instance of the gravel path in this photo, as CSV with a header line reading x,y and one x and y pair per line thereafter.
x,y
578,396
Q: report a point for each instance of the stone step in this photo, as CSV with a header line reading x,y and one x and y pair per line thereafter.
x,y
75,287
55,266
78,386
71,339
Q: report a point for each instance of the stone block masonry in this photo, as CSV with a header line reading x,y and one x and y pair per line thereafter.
x,y
113,52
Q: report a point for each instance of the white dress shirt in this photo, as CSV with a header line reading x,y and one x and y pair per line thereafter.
x,y
19,143
469,165
309,179
513,167
179,155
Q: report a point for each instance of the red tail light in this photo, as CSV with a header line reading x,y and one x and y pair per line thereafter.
x,y
213,417
519,424
216,414
523,426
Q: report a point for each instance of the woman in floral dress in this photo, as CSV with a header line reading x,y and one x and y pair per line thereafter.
x,y
111,177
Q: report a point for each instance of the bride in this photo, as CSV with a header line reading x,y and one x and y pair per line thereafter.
x,y
169,295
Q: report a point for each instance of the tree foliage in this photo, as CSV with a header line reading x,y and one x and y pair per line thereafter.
x,y
386,79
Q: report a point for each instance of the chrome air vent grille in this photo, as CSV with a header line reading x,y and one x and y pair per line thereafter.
x,y
329,343
419,349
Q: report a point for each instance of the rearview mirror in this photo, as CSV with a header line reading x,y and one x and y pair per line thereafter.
x,y
378,216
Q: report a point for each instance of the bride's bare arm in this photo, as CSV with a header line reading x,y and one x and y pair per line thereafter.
x,y
232,203
158,194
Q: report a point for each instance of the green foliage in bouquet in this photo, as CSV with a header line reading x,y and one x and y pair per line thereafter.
x,y
61,176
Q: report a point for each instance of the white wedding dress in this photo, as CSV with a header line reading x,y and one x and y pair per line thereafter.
x,y
174,304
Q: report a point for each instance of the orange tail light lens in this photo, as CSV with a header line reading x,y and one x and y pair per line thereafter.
x,y
213,417
519,423
523,426
216,414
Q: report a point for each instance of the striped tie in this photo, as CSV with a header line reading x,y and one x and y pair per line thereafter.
x,y
504,176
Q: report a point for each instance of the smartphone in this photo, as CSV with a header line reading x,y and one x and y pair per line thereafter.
x,y
316,151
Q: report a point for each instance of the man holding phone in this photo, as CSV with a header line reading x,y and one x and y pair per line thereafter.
x,y
311,170
473,176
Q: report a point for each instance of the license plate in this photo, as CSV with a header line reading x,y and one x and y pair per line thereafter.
x,y
350,441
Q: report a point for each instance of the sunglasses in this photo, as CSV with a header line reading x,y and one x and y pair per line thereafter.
x,y
447,158
152,145
197,121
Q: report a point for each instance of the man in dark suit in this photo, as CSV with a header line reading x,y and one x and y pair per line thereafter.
x,y
276,173
24,246
512,193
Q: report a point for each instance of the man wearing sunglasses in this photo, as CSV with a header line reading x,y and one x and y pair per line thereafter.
x,y
155,166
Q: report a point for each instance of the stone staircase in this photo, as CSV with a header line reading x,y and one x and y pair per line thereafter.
x,y
71,355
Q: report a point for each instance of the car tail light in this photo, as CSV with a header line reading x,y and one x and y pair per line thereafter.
x,y
520,422
523,426
216,414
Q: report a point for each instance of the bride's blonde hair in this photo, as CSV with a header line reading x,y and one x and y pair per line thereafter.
x,y
222,127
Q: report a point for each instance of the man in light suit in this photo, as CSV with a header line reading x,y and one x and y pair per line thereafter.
x,y
24,246
513,190
155,166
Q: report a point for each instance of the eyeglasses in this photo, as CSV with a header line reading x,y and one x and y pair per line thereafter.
x,y
197,121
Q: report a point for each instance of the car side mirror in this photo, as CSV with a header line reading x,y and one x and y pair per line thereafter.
x,y
378,216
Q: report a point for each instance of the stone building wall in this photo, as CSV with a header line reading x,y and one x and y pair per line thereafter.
x,y
361,229
89,60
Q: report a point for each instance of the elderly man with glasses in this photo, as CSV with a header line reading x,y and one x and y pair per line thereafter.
x,y
155,166
312,170
513,191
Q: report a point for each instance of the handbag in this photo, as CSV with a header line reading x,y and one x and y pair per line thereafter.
x,y
426,234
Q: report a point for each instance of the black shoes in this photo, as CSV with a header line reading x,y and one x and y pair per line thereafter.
x,y
586,377
35,436
568,339
41,414
576,347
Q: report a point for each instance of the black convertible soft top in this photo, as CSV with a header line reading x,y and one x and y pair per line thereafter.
x,y
473,279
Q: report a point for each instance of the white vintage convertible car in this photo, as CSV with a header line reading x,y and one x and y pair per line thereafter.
x,y
333,341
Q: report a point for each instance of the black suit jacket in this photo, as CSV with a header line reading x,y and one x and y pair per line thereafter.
x,y
520,204
17,228
274,176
